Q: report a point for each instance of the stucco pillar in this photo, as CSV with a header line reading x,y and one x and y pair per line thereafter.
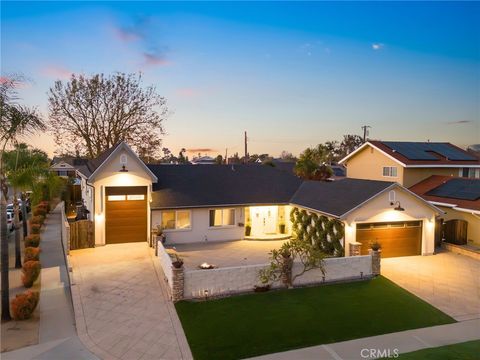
x,y
178,283
354,248
376,259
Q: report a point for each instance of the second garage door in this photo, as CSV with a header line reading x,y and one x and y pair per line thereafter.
x,y
396,238
126,214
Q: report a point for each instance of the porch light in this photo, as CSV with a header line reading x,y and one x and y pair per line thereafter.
x,y
123,169
398,207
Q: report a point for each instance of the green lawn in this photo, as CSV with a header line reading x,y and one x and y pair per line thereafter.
x,y
263,323
469,350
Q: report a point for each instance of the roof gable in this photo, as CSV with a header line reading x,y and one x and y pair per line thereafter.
x,y
96,165
421,154
338,198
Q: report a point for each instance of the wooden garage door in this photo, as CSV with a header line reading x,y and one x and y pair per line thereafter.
x,y
126,214
396,238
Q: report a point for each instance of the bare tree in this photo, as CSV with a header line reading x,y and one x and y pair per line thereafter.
x,y
91,114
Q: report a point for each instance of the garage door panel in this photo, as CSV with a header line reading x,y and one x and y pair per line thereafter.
x,y
125,220
395,241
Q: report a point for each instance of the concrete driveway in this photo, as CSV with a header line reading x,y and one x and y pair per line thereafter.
x,y
448,281
121,306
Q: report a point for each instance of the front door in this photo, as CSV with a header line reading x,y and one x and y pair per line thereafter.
x,y
264,220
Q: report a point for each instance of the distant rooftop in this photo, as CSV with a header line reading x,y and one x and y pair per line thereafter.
x,y
426,153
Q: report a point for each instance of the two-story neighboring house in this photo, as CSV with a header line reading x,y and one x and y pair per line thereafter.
x,y
408,163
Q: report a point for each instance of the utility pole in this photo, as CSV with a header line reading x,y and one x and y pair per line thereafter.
x,y
365,132
246,148
226,156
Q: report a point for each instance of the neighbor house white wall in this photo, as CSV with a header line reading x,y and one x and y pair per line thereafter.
x,y
110,177
200,230
380,210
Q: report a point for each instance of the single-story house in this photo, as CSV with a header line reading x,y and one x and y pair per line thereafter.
x,y
458,198
128,198
408,163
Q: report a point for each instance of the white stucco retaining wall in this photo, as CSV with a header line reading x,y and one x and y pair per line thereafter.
x,y
238,279
166,263
200,228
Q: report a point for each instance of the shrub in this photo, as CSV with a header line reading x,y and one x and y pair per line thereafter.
x,y
40,210
32,240
30,272
46,205
31,254
24,304
39,219
36,228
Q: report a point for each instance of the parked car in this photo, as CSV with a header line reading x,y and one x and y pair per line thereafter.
x,y
10,221
10,210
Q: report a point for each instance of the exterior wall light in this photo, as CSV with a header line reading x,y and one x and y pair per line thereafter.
x,y
398,207
123,162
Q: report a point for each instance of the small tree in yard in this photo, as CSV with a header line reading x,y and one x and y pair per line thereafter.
x,y
91,114
281,262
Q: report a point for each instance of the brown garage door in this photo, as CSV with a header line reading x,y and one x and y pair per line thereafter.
x,y
126,214
396,238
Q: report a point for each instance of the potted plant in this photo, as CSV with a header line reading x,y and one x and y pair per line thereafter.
x,y
178,263
282,228
375,246
248,230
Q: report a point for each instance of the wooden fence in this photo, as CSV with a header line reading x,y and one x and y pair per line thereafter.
x,y
81,234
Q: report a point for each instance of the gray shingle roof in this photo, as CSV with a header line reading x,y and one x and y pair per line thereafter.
x,y
337,197
216,185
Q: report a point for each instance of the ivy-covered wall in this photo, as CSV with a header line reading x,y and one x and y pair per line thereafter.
x,y
319,230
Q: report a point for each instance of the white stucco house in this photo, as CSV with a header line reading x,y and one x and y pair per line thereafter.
x,y
128,198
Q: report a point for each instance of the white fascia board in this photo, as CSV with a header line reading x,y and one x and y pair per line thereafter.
x,y
315,210
470,211
443,166
375,147
436,203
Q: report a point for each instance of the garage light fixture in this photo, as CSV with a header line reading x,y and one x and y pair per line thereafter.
x,y
398,207
123,162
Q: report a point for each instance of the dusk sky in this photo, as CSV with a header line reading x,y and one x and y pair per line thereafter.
x,y
292,74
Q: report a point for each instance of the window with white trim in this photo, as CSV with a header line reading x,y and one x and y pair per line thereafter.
x,y
176,220
390,171
222,217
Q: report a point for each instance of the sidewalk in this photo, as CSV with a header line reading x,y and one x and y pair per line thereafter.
x,y
57,335
404,341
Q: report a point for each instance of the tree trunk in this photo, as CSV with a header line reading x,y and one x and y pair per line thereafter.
x,y
16,222
4,255
24,215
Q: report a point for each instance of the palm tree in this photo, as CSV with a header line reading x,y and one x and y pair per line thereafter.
x,y
15,120
308,165
23,167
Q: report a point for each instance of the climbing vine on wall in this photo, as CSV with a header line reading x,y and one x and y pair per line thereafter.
x,y
318,230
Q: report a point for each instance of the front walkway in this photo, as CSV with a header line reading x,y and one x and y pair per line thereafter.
x,y
385,346
448,281
57,338
121,305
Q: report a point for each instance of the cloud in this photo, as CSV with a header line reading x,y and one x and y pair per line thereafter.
x,y
137,31
201,150
187,92
152,59
459,122
58,72
378,46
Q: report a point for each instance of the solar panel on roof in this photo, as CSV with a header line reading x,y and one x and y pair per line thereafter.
x,y
464,189
425,151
